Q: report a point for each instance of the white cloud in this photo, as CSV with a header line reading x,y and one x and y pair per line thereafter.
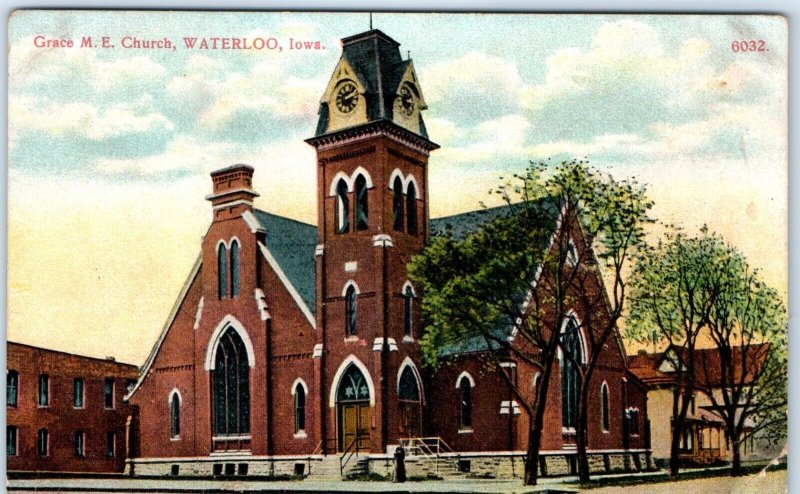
x,y
28,113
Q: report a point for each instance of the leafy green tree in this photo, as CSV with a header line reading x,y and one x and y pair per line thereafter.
x,y
522,272
747,323
687,290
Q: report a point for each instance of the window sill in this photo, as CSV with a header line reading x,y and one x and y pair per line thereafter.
x,y
408,339
466,431
351,339
42,406
300,435
606,432
78,408
175,438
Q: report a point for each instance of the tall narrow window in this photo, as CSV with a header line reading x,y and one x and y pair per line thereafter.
x,y
44,390
362,204
465,390
350,311
12,388
604,406
408,393
408,295
222,271
42,442
108,393
411,209
111,444
299,409
175,415
342,208
570,358
11,440
80,445
77,393
234,269
397,204
231,386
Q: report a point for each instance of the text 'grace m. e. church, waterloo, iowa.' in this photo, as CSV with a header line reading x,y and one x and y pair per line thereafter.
x,y
293,347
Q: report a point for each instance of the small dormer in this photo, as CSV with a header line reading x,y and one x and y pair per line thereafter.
x,y
233,192
372,82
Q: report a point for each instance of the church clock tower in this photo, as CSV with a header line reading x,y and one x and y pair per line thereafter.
x,y
372,185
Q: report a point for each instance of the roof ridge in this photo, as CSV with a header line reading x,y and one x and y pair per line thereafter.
x,y
285,218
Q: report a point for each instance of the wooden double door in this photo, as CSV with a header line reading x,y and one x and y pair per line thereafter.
x,y
354,425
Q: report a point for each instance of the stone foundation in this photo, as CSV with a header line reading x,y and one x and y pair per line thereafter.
x,y
500,465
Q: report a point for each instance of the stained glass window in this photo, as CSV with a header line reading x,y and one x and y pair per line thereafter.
x,y
231,385
465,388
342,208
222,271
175,415
397,204
411,209
350,311
362,204
409,387
299,408
571,356
353,386
234,269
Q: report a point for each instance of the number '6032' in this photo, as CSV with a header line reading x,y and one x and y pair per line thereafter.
x,y
749,45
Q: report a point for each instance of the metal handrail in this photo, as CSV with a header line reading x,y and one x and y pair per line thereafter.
x,y
342,461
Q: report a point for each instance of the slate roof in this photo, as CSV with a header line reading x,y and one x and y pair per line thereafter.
x,y
458,226
293,243
379,66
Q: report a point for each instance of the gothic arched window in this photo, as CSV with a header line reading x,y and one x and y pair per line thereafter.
x,y
234,269
411,209
408,317
175,415
409,386
465,390
342,207
299,408
231,385
397,204
362,203
350,311
604,406
222,271
570,359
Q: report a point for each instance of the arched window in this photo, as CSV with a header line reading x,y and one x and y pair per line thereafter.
x,y
409,396
408,317
299,408
570,358
342,207
12,388
222,271
42,442
397,204
44,390
411,209
604,406
234,269
175,415
362,204
231,385
350,311
465,390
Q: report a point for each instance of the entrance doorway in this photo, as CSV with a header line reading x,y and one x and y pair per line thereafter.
x,y
354,414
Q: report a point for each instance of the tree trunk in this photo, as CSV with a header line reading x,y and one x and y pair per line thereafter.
x,y
534,443
677,428
736,461
582,436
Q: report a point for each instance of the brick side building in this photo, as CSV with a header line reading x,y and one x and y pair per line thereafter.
x,y
65,412
290,343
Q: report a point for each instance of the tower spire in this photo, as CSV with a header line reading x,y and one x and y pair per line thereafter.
x,y
370,21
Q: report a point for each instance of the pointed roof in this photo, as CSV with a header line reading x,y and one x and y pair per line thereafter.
x,y
375,57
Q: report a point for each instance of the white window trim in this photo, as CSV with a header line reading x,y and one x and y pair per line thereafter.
x,y
213,342
348,285
407,362
469,378
608,411
302,383
351,359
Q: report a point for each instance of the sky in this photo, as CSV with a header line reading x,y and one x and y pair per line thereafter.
x,y
110,149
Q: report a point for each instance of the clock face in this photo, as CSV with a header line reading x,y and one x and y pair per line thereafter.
x,y
346,97
406,100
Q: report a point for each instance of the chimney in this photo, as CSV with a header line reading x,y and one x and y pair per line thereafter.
x,y
233,191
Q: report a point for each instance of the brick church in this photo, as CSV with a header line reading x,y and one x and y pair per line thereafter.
x,y
291,343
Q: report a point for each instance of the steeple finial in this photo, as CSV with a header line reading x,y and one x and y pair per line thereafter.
x,y
370,21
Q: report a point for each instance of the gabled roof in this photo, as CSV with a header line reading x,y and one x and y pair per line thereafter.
x,y
292,243
458,227
708,366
